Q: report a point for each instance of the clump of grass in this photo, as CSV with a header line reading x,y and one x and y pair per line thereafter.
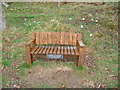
x,y
24,65
45,86
6,62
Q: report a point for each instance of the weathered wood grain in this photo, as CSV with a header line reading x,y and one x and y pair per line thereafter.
x,y
62,38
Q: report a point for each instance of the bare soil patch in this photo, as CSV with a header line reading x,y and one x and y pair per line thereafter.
x,y
54,76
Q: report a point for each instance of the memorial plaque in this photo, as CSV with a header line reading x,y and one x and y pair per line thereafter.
x,y
54,56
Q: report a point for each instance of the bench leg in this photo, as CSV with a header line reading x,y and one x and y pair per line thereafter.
x,y
81,57
28,55
79,62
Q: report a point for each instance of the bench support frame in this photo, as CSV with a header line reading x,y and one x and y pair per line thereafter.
x,y
79,45
81,48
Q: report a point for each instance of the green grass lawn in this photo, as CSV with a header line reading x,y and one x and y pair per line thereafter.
x,y
99,29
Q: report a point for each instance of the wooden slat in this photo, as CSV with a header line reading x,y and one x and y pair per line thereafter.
x,y
68,48
58,51
45,37
55,50
33,37
65,50
37,51
72,51
62,50
74,39
66,38
37,38
40,38
49,47
52,38
34,49
70,38
57,37
76,51
62,37
42,48
51,50
45,49
49,38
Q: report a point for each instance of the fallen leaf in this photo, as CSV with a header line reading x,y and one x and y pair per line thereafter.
x,y
83,18
90,35
81,26
89,72
62,86
106,69
112,75
96,20
17,86
17,78
91,19
29,71
14,85
101,86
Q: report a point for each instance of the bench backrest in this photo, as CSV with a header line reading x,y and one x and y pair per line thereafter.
x,y
64,38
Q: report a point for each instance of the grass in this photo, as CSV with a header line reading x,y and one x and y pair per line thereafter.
x,y
22,19
45,86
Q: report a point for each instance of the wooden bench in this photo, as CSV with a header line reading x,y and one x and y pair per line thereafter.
x,y
64,43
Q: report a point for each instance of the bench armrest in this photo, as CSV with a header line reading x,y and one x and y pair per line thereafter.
x,y
30,42
28,46
81,49
81,44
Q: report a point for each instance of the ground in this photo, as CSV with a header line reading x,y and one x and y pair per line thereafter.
x,y
98,23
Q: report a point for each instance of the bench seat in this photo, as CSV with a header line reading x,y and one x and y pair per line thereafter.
x,y
64,50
